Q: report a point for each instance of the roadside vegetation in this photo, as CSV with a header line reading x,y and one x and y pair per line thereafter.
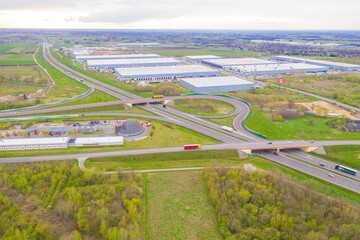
x,y
163,160
96,97
253,204
56,200
226,121
304,127
208,107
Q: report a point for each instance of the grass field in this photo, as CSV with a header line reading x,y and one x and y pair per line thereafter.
x,y
17,47
163,136
305,127
195,50
347,155
179,207
65,88
163,160
27,74
16,59
14,89
208,107
96,97
226,121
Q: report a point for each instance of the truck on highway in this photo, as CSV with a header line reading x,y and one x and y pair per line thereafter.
x,y
157,96
229,129
192,146
345,169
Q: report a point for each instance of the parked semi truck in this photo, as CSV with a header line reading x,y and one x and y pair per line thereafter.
x,y
192,146
345,169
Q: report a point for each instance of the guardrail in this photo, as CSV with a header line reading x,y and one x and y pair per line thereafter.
x,y
241,100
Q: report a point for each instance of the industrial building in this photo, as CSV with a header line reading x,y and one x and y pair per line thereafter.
x,y
199,58
274,69
33,143
136,62
165,72
85,58
129,128
96,141
139,44
216,84
226,62
332,65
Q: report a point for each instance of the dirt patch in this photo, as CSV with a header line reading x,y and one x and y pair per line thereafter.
x,y
313,106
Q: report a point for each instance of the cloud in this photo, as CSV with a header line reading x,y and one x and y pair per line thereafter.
x,y
69,19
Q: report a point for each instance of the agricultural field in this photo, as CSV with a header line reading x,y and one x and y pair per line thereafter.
x,y
164,160
185,50
18,48
16,59
208,107
248,206
26,74
341,87
304,127
179,209
160,134
57,200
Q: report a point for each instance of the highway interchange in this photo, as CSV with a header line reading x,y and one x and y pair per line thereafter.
x,y
239,139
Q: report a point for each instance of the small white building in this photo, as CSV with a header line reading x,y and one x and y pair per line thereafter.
x,y
96,141
216,84
7,144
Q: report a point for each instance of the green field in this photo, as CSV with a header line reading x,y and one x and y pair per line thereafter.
x,y
206,107
16,59
65,87
226,121
178,207
163,136
14,89
305,127
26,74
164,160
96,97
194,50
18,48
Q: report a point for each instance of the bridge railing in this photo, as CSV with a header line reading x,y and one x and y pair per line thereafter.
x,y
241,100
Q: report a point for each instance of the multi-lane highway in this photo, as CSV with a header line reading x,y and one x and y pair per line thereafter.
x,y
239,139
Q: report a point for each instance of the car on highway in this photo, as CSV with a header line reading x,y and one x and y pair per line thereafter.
x,y
331,175
321,165
269,142
276,153
312,141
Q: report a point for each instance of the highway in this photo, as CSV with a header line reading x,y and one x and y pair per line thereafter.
x,y
239,139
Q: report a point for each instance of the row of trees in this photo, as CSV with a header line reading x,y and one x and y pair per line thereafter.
x,y
71,203
252,204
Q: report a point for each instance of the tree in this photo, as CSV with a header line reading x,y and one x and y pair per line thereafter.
x,y
103,228
77,236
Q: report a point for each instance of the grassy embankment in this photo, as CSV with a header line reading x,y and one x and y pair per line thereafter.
x,y
208,107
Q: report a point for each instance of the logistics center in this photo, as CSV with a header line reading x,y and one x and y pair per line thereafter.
x,y
165,72
216,84
85,58
134,62
226,62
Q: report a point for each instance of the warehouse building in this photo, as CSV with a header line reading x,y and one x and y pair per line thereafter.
x,y
33,143
216,84
136,62
85,58
97,141
274,69
199,58
139,44
165,72
332,65
227,62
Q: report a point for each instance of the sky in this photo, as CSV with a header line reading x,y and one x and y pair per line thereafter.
x,y
182,14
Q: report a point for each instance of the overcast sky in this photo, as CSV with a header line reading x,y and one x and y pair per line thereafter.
x,y
181,14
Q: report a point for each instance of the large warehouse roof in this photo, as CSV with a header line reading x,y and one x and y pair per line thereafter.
x,y
223,62
127,56
216,84
277,69
139,71
33,141
133,61
336,65
201,57
99,140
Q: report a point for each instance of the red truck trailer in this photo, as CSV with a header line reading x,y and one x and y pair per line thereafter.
x,y
192,146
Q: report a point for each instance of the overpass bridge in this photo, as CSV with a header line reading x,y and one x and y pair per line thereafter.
x,y
305,148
